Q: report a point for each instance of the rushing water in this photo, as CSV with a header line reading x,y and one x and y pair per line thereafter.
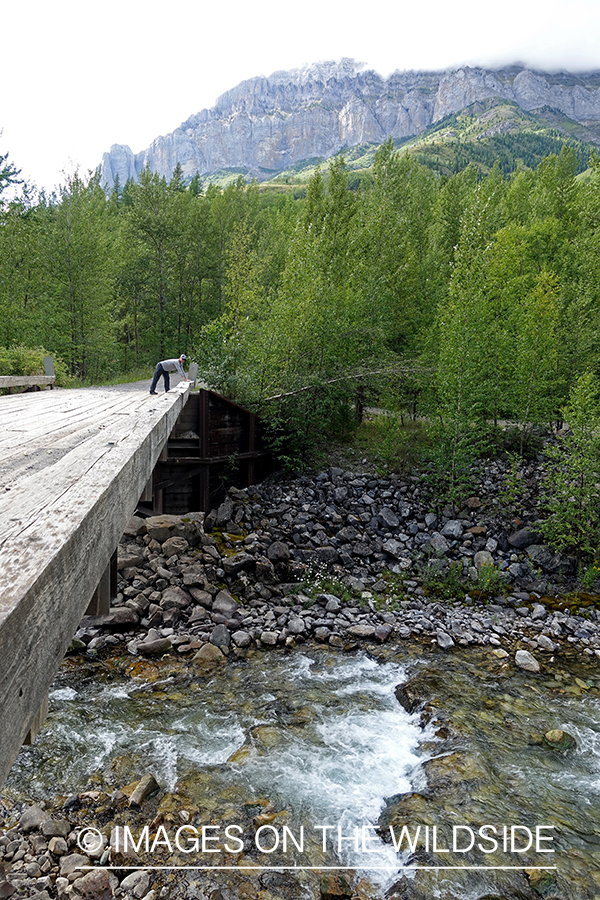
x,y
322,740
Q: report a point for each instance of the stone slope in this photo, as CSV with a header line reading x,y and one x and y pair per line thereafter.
x,y
267,124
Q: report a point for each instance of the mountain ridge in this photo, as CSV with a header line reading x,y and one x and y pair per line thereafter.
x,y
265,124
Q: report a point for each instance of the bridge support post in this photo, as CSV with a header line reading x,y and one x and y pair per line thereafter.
x,y
99,605
38,721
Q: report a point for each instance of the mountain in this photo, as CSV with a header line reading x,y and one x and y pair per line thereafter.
x,y
266,125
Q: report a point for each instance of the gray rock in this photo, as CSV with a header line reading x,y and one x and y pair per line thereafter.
x,y
525,660
224,513
154,648
388,517
175,546
137,882
72,863
361,631
393,547
278,552
322,633
524,538
483,558
439,543
241,638
545,643
444,640
326,106
269,638
234,564
225,604
32,819
295,625
175,597
539,612
453,529
220,636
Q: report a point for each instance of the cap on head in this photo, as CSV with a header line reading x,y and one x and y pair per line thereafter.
x,y
183,356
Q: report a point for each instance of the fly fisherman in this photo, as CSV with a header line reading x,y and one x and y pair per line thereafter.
x,y
163,368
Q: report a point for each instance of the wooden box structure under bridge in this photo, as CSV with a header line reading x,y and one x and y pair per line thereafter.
x,y
215,444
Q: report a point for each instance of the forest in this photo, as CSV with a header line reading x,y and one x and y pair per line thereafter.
x,y
462,301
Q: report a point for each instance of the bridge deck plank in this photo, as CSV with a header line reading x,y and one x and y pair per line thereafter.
x,y
58,528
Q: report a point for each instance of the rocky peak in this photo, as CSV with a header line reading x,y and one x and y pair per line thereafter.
x,y
266,124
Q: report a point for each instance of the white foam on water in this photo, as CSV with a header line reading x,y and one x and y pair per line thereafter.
x,y
63,694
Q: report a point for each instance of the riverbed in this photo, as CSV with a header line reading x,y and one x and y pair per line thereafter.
x,y
311,751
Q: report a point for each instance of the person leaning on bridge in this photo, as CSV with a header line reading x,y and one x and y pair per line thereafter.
x,y
163,368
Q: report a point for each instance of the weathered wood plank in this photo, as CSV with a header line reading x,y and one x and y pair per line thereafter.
x,y
58,530
25,380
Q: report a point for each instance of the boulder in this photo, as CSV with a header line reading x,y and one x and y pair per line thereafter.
x,y
525,660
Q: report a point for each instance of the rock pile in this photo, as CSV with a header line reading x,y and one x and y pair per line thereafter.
x,y
248,573
41,857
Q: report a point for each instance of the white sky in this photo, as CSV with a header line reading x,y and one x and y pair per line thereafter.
x,y
76,77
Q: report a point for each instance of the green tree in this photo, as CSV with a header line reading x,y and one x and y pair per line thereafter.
x,y
572,496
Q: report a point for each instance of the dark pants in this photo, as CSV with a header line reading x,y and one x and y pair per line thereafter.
x,y
157,373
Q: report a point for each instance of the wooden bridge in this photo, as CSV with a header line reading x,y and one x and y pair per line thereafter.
x,y
74,465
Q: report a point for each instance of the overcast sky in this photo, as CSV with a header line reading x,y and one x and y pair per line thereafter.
x,y
76,77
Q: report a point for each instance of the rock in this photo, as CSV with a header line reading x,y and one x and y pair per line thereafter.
x,y
145,788
483,558
208,656
224,604
120,618
269,638
361,631
525,660
556,739
539,612
382,632
389,518
234,564
57,846
220,637
278,552
295,625
439,543
72,863
224,513
241,638
444,640
32,819
524,538
127,562
154,648
175,597
265,570
137,882
453,529
335,887
545,643
161,528
326,106
322,634
175,546
201,597
393,547
96,885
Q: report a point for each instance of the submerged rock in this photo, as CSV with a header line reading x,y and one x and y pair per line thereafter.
x,y
556,739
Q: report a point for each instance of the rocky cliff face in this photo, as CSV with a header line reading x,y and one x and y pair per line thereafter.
x,y
265,125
